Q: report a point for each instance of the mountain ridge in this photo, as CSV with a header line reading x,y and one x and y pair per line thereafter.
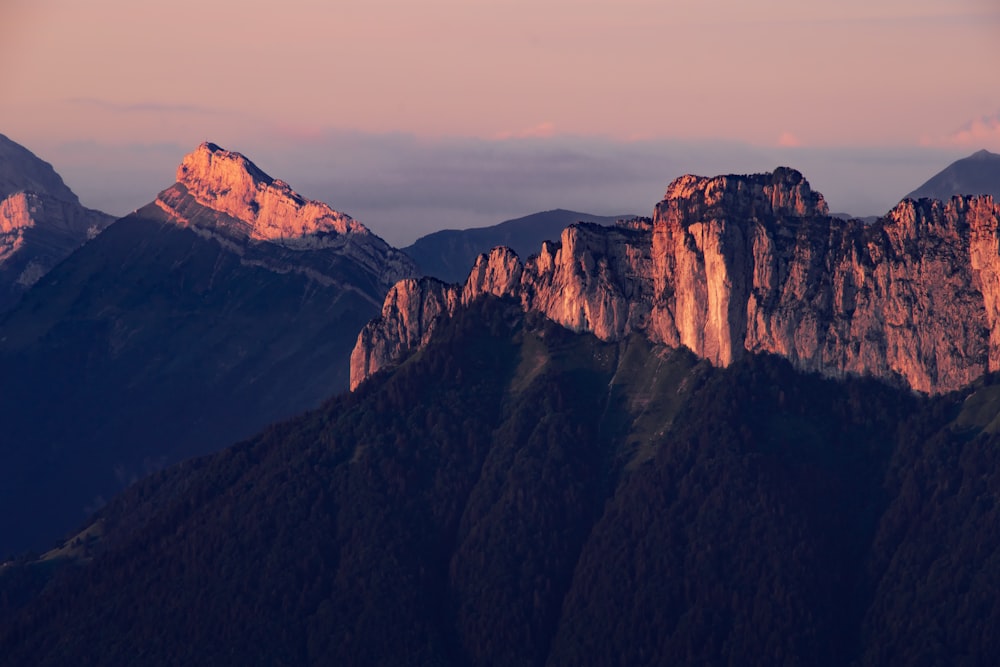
x,y
744,264
182,334
976,174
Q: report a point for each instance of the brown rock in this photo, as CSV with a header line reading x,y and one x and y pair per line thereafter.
x,y
755,263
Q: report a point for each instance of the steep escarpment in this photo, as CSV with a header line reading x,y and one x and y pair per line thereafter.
x,y
224,195
737,264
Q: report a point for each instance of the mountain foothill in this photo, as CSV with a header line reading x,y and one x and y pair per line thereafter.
x,y
739,431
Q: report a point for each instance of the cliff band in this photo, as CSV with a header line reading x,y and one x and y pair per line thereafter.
x,y
737,264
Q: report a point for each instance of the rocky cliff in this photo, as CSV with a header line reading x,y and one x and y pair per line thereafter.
x,y
227,303
41,220
224,195
733,264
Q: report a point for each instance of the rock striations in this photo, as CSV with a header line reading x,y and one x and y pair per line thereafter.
x,y
737,264
224,195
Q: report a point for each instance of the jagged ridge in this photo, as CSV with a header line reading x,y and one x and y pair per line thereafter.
x,y
753,263
224,195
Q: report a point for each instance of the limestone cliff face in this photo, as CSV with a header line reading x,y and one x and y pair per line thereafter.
x,y
223,194
37,231
738,264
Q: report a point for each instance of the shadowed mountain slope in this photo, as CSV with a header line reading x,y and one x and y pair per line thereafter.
x,y
978,174
191,323
515,493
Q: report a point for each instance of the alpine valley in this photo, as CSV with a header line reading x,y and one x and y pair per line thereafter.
x,y
740,431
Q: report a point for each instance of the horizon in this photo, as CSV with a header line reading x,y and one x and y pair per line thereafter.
x,y
415,119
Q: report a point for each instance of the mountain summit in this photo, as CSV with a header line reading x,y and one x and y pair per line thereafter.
x,y
22,170
226,303
978,174
737,264
257,206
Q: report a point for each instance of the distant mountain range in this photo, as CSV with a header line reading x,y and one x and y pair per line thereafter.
x,y
978,174
448,254
227,303
41,220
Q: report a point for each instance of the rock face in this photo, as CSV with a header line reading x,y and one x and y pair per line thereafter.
x,y
41,221
224,195
737,264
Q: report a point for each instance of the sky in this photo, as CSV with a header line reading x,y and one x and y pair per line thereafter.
x,y
414,116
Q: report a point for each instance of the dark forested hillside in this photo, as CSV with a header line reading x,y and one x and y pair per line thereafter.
x,y
519,494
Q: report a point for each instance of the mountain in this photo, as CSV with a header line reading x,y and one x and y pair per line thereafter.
x,y
448,254
225,304
978,174
516,493
41,220
733,265
22,170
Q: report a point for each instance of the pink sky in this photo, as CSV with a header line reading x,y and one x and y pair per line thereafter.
x,y
771,73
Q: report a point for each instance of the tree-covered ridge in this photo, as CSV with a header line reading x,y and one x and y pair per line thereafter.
x,y
519,494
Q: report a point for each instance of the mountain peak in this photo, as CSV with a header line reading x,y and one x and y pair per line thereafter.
x,y
263,208
22,170
783,192
209,162
984,155
977,174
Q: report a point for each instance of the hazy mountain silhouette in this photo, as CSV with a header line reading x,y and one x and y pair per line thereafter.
x,y
448,254
978,174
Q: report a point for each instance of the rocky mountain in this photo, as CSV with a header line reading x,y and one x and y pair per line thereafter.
x,y
519,494
227,303
751,264
978,174
448,254
41,220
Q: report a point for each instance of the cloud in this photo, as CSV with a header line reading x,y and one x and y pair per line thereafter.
x,y
788,140
980,132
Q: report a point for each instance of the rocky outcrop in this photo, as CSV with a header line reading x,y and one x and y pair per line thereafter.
x,y
41,220
222,194
738,264
52,226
